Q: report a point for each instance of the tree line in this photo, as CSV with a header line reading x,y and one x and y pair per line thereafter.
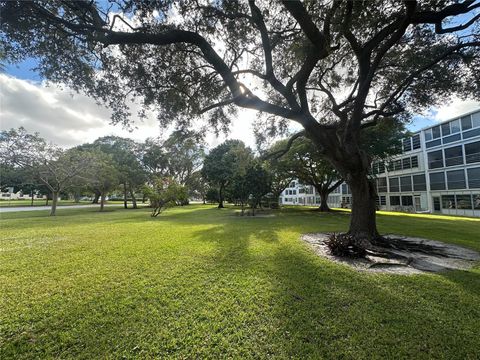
x,y
174,170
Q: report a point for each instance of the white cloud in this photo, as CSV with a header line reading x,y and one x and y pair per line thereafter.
x,y
453,108
70,119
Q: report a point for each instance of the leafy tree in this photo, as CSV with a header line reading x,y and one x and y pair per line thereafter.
x,y
225,162
125,156
259,184
311,168
334,67
164,193
55,168
103,176
197,186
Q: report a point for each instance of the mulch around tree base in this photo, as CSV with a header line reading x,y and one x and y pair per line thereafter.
x,y
402,255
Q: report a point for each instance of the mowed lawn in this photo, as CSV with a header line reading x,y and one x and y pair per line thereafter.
x,y
198,282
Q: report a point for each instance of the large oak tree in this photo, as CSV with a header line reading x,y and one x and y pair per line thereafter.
x,y
333,66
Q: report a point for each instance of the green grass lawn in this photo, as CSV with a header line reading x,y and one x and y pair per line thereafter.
x,y
198,282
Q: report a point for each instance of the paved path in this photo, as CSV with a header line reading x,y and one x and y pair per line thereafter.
x,y
34,208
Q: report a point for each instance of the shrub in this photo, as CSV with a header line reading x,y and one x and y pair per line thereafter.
x,y
344,245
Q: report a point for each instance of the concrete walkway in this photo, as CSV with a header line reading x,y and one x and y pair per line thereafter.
x,y
35,208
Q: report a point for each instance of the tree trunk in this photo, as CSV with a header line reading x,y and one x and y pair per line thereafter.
x,y
363,219
31,196
323,201
96,197
125,201
54,203
134,200
102,201
220,197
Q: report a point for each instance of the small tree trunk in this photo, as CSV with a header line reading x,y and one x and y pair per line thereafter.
x,y
54,203
324,201
363,219
125,201
96,197
134,200
102,201
31,197
220,197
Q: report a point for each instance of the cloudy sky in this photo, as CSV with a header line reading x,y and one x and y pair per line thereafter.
x,y
69,119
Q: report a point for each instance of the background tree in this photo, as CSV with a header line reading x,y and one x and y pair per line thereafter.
x,y
103,176
223,163
259,184
55,168
164,193
125,156
333,67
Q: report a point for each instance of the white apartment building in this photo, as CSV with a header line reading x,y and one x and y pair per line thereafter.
x,y
437,172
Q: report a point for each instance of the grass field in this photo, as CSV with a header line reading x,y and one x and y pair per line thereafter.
x,y
198,282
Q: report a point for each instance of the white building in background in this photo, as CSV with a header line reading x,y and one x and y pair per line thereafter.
x,y
437,172
10,195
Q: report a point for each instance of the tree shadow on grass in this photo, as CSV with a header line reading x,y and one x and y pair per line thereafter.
x,y
322,309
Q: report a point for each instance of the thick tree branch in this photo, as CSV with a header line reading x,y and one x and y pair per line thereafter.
x,y
277,154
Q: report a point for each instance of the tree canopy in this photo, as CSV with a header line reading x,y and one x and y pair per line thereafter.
x,y
333,67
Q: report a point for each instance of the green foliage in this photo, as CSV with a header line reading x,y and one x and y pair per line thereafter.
x,y
164,193
227,161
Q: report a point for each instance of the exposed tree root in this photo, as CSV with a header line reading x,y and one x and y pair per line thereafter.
x,y
393,254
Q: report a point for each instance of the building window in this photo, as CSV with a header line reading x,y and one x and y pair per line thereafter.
x,y
456,179
382,184
437,181
407,144
406,183
419,183
416,141
464,202
455,126
451,138
428,135
472,152
397,165
476,119
435,159
406,163
466,122
454,156
381,167
407,201
448,202
294,192
394,200
383,200
414,161
394,184
476,201
446,129
433,143
436,132
473,178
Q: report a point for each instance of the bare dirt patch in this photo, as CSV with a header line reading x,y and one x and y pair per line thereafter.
x,y
402,255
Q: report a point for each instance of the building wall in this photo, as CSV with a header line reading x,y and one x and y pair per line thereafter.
x,y
437,172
